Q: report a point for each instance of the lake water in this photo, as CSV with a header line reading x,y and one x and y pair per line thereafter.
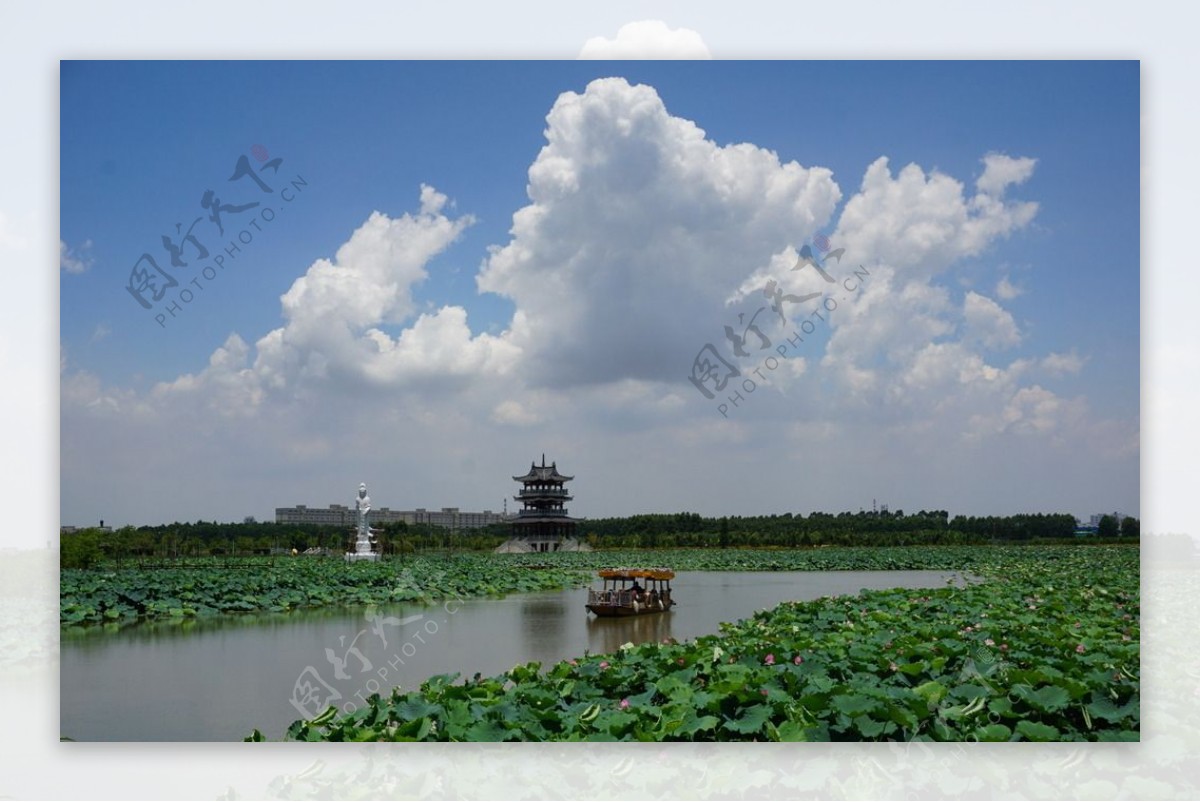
x,y
216,680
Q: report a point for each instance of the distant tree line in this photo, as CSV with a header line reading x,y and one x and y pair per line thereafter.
x,y
864,528
205,539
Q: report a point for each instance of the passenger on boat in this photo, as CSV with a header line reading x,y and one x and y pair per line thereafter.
x,y
637,591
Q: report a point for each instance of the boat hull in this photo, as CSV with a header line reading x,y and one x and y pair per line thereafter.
x,y
620,611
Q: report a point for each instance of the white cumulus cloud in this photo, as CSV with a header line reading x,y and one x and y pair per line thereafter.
x,y
638,229
1057,364
336,319
227,386
75,260
988,322
101,331
1001,171
920,223
1006,290
370,279
1036,410
336,313
647,39
894,349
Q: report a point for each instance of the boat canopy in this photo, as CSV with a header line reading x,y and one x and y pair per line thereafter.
x,y
637,573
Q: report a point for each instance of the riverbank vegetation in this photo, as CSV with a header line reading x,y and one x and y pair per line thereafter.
x,y
128,594
1046,649
119,594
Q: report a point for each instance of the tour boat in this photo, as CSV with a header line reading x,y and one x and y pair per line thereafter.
x,y
622,593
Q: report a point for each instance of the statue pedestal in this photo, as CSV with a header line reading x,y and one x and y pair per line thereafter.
x,y
363,548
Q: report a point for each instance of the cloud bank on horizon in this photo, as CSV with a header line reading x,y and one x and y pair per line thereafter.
x,y
640,238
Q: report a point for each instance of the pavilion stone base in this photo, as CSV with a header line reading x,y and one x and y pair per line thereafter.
x,y
529,546
352,556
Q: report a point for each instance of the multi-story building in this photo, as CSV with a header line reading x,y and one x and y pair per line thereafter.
x,y
451,517
342,515
70,530
336,515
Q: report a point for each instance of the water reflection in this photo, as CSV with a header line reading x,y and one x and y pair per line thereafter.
x,y
610,634
98,635
543,616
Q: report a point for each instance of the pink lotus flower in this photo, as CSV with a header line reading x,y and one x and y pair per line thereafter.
x,y
681,661
604,664
770,660
624,703
764,691
893,666
572,662
1004,647
989,642
1080,649
797,659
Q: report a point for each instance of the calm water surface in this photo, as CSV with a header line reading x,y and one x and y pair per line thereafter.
x,y
216,680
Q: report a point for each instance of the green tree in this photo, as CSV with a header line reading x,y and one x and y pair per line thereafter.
x,y
1130,527
723,538
122,541
80,549
1108,526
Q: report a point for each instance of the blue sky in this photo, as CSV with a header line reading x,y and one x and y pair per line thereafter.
x,y
142,141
